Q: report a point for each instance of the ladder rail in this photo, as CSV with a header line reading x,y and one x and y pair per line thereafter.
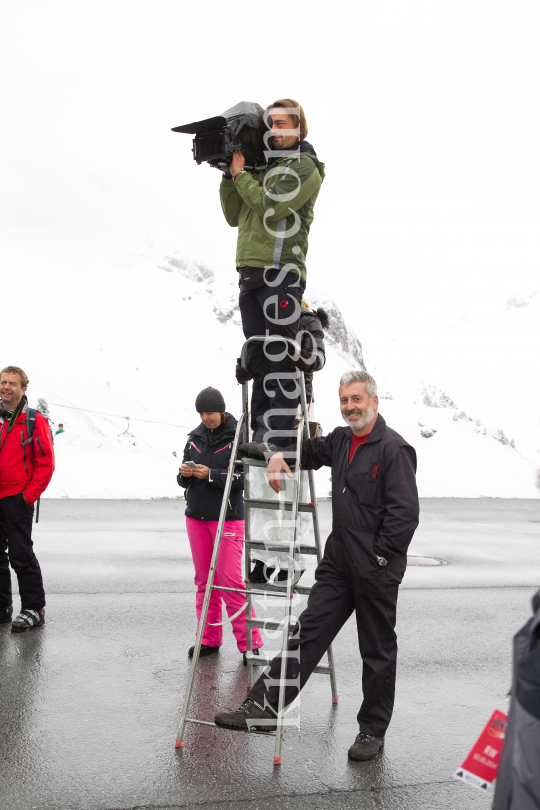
x,y
209,585
290,592
317,534
247,533
247,523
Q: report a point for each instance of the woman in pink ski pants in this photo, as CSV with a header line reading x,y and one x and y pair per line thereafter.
x,y
209,448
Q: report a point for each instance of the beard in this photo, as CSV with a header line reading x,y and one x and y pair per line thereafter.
x,y
357,419
288,141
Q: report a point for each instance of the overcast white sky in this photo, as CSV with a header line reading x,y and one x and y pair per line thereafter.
x,y
425,113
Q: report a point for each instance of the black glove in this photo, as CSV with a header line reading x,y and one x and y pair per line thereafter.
x,y
304,362
243,375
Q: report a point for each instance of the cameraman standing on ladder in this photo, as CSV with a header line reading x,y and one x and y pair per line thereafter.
x,y
273,211
26,468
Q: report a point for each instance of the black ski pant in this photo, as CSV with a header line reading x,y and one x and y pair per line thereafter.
x,y
17,550
273,309
342,587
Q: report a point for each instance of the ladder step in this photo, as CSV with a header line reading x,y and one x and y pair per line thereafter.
x,y
206,723
242,590
260,659
266,547
284,506
264,624
252,462
277,590
321,669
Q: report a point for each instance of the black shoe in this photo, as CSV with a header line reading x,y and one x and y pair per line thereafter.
x,y
5,614
365,747
28,619
261,451
283,574
249,716
205,650
255,652
257,572
260,572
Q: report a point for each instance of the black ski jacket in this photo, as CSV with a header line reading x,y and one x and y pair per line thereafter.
x,y
312,340
375,505
213,449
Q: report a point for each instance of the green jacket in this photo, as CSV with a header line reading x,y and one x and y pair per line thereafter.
x,y
274,233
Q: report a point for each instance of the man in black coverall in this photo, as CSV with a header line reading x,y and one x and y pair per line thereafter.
x,y
374,515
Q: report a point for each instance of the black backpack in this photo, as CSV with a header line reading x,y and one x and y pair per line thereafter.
x,y
30,425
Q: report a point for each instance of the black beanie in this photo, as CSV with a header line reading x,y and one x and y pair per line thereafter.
x,y
209,400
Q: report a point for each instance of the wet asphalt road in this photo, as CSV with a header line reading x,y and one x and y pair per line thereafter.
x,y
89,704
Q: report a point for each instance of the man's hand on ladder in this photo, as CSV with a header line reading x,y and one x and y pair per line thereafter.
x,y
276,466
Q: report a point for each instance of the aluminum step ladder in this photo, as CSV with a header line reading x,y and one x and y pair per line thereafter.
x,y
286,590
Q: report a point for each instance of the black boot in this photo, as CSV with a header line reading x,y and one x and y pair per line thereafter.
x,y
28,619
248,716
284,573
260,572
205,650
261,451
5,614
365,747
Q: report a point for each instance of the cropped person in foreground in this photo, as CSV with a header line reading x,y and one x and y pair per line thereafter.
x,y
375,513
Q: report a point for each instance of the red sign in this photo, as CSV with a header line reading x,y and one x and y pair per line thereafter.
x,y
480,767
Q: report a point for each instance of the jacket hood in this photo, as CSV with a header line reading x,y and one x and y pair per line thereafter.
x,y
319,313
323,316
20,418
305,146
305,149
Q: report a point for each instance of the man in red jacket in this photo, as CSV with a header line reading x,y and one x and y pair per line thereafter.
x,y
26,467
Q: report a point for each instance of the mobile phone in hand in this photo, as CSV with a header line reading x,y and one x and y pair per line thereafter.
x,y
191,464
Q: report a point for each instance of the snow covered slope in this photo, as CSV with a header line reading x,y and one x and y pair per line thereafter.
x,y
142,339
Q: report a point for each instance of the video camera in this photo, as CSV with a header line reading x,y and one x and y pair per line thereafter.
x,y
241,128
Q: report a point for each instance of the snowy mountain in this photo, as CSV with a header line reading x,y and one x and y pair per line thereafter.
x,y
146,336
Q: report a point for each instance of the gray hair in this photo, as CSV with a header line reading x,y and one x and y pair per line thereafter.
x,y
354,376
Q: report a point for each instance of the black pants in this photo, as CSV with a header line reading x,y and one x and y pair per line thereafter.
x,y
337,592
16,548
273,310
